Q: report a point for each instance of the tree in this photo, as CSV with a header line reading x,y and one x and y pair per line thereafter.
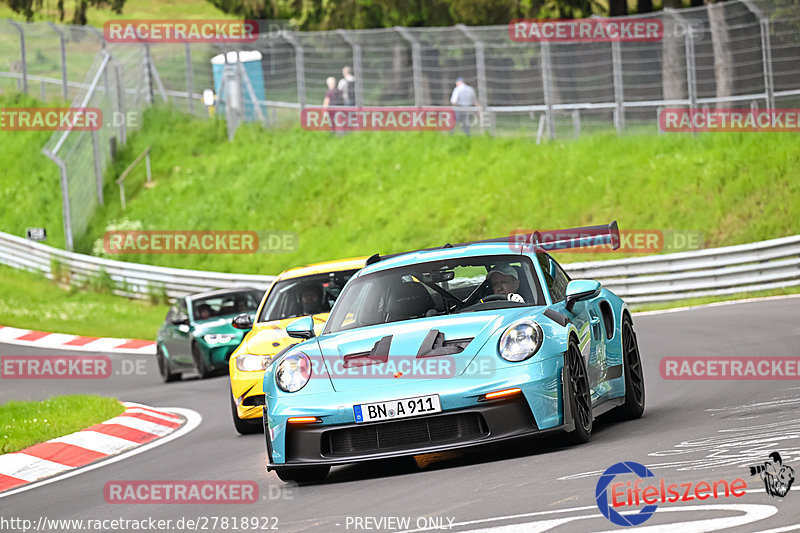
x,y
29,8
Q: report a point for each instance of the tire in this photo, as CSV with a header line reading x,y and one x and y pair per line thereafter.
x,y
580,397
634,376
244,426
163,368
304,474
200,363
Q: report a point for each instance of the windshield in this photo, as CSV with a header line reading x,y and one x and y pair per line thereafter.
x,y
437,288
306,295
225,304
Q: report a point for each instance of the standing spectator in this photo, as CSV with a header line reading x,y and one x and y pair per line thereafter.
x,y
348,86
463,96
333,97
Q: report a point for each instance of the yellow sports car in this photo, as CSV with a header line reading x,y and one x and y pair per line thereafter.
x,y
303,291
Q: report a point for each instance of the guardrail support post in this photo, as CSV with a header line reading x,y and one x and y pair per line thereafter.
x,y
358,73
766,54
62,40
547,87
22,55
480,69
65,210
299,65
619,97
416,63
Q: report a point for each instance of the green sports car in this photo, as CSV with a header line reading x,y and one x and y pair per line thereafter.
x,y
198,334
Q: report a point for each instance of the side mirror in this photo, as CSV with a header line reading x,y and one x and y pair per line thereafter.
x,y
581,289
180,320
242,321
302,328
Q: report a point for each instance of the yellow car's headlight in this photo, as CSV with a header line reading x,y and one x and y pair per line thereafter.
x,y
252,363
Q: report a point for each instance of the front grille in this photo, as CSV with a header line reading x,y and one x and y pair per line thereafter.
x,y
404,434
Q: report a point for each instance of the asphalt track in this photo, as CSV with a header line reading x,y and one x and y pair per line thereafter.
x,y
691,431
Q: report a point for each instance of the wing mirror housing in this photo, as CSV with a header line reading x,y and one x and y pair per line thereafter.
x,y
302,328
180,320
579,290
242,321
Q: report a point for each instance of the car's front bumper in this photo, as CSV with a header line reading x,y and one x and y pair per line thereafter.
x,y
466,419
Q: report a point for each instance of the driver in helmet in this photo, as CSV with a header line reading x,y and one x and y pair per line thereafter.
x,y
311,298
504,280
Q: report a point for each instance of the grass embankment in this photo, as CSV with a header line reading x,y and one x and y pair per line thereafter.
x,y
363,193
24,424
32,301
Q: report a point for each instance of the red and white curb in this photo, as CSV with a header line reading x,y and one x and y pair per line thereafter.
x,y
137,426
63,341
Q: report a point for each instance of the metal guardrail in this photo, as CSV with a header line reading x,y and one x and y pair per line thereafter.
x,y
133,280
659,278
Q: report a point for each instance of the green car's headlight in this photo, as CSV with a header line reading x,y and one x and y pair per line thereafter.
x,y
293,372
218,338
520,341
252,363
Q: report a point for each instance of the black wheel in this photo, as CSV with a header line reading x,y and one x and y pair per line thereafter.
x,y
304,474
163,368
634,376
580,397
244,426
199,362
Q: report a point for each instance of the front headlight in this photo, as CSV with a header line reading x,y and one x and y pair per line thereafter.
x,y
520,341
252,363
293,372
218,338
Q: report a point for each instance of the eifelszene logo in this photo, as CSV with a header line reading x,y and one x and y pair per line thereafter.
x,y
778,477
626,495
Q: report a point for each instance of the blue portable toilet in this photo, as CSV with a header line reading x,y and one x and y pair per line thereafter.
x,y
236,95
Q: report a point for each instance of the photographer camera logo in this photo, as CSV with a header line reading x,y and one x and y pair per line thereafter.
x,y
778,477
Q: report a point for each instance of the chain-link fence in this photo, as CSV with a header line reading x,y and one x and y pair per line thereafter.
x,y
731,54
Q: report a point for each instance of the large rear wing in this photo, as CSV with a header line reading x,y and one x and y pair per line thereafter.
x,y
554,240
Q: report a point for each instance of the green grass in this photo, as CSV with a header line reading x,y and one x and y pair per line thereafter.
x,y
32,301
24,424
30,190
133,9
364,193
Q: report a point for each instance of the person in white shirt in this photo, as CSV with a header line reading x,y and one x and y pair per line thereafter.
x,y
463,96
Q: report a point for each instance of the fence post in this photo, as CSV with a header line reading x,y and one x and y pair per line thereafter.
x,y
358,97
480,69
766,53
22,55
189,78
416,63
148,77
63,59
123,127
98,175
619,96
299,65
65,211
691,73
547,86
